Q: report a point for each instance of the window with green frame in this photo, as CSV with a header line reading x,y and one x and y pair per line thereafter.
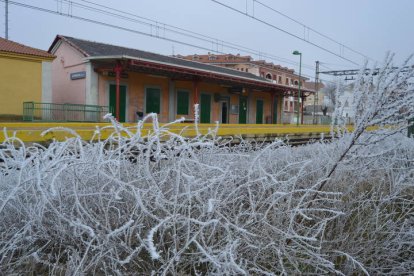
x,y
152,100
183,100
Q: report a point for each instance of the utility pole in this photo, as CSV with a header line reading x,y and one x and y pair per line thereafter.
x,y
300,102
316,96
6,25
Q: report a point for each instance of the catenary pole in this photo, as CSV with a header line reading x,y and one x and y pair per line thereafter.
x,y
6,24
300,103
316,96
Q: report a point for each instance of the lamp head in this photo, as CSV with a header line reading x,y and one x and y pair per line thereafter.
x,y
296,53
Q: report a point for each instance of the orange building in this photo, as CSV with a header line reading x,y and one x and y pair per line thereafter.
x,y
267,70
261,68
136,82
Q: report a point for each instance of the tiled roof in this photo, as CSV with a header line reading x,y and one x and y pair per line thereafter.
x,y
17,48
234,59
95,49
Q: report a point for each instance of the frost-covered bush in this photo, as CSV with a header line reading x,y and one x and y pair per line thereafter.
x,y
129,205
164,204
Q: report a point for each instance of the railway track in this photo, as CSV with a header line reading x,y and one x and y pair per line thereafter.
x,y
294,135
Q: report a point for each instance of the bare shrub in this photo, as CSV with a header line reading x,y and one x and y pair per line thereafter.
x,y
165,204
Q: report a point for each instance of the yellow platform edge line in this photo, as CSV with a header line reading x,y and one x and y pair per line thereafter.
x,y
31,132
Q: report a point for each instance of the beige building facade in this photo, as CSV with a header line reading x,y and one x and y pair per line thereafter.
x,y
274,73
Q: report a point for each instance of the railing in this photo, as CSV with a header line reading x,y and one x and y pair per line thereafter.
x,y
50,112
411,128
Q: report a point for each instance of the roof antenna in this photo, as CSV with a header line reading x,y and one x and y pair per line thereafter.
x,y
173,50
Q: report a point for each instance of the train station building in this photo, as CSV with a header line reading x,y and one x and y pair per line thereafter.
x,y
134,83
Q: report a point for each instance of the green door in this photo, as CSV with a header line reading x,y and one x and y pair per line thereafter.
x,y
259,112
205,108
153,100
242,110
122,99
183,101
274,120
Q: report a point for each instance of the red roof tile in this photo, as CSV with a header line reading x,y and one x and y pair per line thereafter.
x,y
17,48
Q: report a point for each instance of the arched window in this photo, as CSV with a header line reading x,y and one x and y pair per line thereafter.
x,y
296,82
268,76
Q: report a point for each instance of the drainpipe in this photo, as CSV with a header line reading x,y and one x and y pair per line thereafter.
x,y
195,84
117,69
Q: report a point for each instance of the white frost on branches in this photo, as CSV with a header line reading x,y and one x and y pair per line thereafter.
x,y
164,204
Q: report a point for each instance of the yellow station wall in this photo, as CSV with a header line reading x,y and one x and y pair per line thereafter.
x,y
20,81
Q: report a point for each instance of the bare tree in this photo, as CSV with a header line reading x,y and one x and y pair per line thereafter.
x,y
330,91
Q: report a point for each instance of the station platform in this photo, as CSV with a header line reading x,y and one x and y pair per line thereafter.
x,y
31,131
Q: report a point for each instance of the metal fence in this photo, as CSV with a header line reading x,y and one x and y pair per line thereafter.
x,y
410,130
50,112
290,118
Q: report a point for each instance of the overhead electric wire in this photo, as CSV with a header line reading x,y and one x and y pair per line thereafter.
x,y
70,15
181,31
340,65
312,29
324,66
284,31
118,27
103,24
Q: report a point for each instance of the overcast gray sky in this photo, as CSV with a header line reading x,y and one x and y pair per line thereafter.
x,y
370,27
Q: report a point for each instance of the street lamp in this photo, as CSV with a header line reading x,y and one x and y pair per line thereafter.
x,y
297,53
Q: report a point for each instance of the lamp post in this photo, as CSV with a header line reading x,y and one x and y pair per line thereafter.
x,y
297,53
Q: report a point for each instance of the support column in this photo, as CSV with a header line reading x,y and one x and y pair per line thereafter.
x,y
171,100
301,110
91,89
117,69
196,92
272,107
195,98
251,104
